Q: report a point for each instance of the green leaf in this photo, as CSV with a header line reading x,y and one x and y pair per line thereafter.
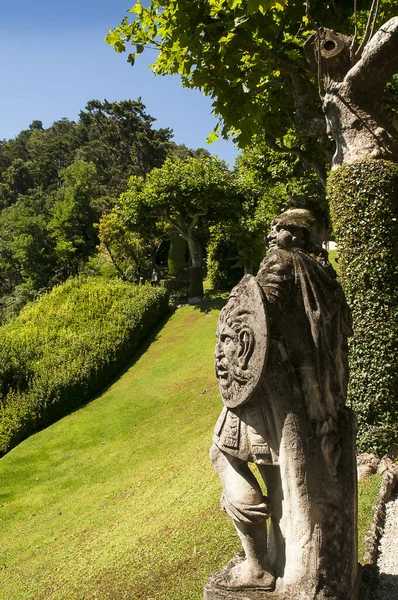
x,y
112,38
253,5
212,137
137,9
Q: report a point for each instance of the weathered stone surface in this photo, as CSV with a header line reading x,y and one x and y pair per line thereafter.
x,y
214,592
292,423
242,343
367,464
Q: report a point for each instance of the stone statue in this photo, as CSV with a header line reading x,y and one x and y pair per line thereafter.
x,y
281,364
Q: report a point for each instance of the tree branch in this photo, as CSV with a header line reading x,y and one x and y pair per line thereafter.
x,y
379,60
175,224
375,19
118,269
354,38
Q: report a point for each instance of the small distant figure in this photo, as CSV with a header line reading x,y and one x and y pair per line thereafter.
x,y
154,278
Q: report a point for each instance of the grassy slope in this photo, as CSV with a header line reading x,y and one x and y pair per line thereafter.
x,y
119,500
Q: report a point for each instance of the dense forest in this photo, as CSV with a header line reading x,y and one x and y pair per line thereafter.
x,y
57,183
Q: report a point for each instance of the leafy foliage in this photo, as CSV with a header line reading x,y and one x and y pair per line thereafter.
x,y
248,56
120,140
71,222
176,261
365,214
65,347
55,184
238,246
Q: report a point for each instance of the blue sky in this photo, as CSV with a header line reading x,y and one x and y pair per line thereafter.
x,y
53,60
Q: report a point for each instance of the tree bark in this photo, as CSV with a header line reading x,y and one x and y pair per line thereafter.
x,y
362,193
113,260
352,102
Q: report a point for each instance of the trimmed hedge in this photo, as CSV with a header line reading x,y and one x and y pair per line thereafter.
x,y
67,346
364,207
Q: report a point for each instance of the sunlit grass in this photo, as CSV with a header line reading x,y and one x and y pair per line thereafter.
x,y
367,493
119,498
333,258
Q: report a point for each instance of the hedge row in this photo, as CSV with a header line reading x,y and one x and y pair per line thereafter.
x,y
64,348
364,206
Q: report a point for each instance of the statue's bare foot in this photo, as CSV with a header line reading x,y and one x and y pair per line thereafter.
x,y
243,577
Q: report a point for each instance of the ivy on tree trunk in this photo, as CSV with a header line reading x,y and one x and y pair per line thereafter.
x,y
363,196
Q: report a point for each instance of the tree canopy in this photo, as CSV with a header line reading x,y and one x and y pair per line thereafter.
x,y
186,196
313,78
248,55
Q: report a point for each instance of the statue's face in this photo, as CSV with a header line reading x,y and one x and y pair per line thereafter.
x,y
226,354
241,342
282,236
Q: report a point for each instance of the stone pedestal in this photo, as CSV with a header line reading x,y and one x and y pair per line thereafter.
x,y
214,593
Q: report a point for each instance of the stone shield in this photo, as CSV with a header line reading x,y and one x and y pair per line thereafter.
x,y
242,342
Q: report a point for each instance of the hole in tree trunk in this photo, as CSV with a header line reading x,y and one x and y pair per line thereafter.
x,y
329,45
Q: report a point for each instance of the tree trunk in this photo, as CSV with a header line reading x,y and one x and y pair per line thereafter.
x,y
196,273
363,191
352,89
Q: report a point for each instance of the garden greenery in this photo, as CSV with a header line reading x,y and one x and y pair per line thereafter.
x,y
364,205
65,347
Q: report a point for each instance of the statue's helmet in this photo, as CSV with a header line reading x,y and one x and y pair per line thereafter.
x,y
301,218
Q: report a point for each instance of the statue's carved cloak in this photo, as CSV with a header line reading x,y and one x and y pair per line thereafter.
x,y
307,365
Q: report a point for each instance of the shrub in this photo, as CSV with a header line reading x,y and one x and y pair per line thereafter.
x,y
65,347
364,206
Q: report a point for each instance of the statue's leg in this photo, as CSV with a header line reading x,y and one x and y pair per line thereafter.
x,y
276,542
244,502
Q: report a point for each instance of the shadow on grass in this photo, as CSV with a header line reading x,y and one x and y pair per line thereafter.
x,y
213,300
116,370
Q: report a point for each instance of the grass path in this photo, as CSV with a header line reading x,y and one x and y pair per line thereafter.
x,y
118,500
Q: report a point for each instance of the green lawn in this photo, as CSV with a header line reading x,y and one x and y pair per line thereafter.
x,y
333,257
118,500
